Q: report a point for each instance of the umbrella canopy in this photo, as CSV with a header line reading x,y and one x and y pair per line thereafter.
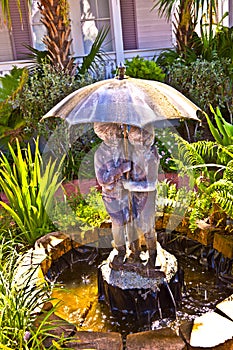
x,y
128,101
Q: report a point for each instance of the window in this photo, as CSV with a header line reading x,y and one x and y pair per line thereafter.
x,y
95,14
38,29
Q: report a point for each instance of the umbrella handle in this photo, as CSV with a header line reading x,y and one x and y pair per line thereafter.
x,y
126,148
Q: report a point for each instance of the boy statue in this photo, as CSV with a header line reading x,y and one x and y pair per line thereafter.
x,y
110,168
142,187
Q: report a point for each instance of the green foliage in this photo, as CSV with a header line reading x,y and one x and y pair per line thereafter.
x,y
141,68
11,122
79,160
21,298
80,212
11,83
29,185
189,157
166,59
204,82
221,193
211,164
224,42
223,134
91,211
44,89
213,43
171,199
200,209
167,148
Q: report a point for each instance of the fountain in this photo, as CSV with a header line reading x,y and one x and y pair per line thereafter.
x,y
137,278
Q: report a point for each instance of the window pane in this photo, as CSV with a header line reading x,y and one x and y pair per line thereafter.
x,y
38,29
107,45
103,8
88,9
91,24
90,31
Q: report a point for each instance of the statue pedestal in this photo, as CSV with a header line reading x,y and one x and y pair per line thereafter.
x,y
130,292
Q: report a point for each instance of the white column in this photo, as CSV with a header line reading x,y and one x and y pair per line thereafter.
x,y
224,6
76,32
117,30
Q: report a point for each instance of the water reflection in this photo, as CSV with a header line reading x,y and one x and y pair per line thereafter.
x,y
78,291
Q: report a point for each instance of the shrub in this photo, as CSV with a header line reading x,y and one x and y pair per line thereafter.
x,y
167,148
171,199
204,82
141,68
44,89
79,160
91,212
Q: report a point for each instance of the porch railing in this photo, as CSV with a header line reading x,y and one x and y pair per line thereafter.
x,y
105,72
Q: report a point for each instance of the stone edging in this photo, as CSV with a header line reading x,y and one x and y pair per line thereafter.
x,y
52,246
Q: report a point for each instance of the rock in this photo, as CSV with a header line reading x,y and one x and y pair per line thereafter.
x,y
210,330
226,306
203,235
52,246
129,279
96,340
224,244
162,339
185,333
58,328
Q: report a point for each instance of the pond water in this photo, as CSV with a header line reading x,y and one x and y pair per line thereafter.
x,y
77,289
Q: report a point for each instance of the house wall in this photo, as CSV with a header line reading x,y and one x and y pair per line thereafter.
x,y
152,31
230,14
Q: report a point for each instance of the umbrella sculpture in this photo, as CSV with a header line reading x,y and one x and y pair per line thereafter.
x,y
127,171
128,102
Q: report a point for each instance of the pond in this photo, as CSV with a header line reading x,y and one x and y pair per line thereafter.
x,y
77,289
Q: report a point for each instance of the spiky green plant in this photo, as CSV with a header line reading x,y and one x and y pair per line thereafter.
x,y
30,186
21,300
223,134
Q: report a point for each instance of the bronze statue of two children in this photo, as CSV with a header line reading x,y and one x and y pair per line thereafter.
x,y
126,168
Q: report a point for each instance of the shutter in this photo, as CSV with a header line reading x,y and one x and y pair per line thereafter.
x,y
128,20
21,29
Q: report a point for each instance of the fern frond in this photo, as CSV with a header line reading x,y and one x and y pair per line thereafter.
x,y
206,149
228,173
222,193
188,154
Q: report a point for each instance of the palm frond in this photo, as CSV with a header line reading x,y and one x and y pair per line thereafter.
x,y
96,55
164,7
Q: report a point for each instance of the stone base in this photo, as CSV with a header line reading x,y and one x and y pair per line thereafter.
x,y
156,340
131,293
